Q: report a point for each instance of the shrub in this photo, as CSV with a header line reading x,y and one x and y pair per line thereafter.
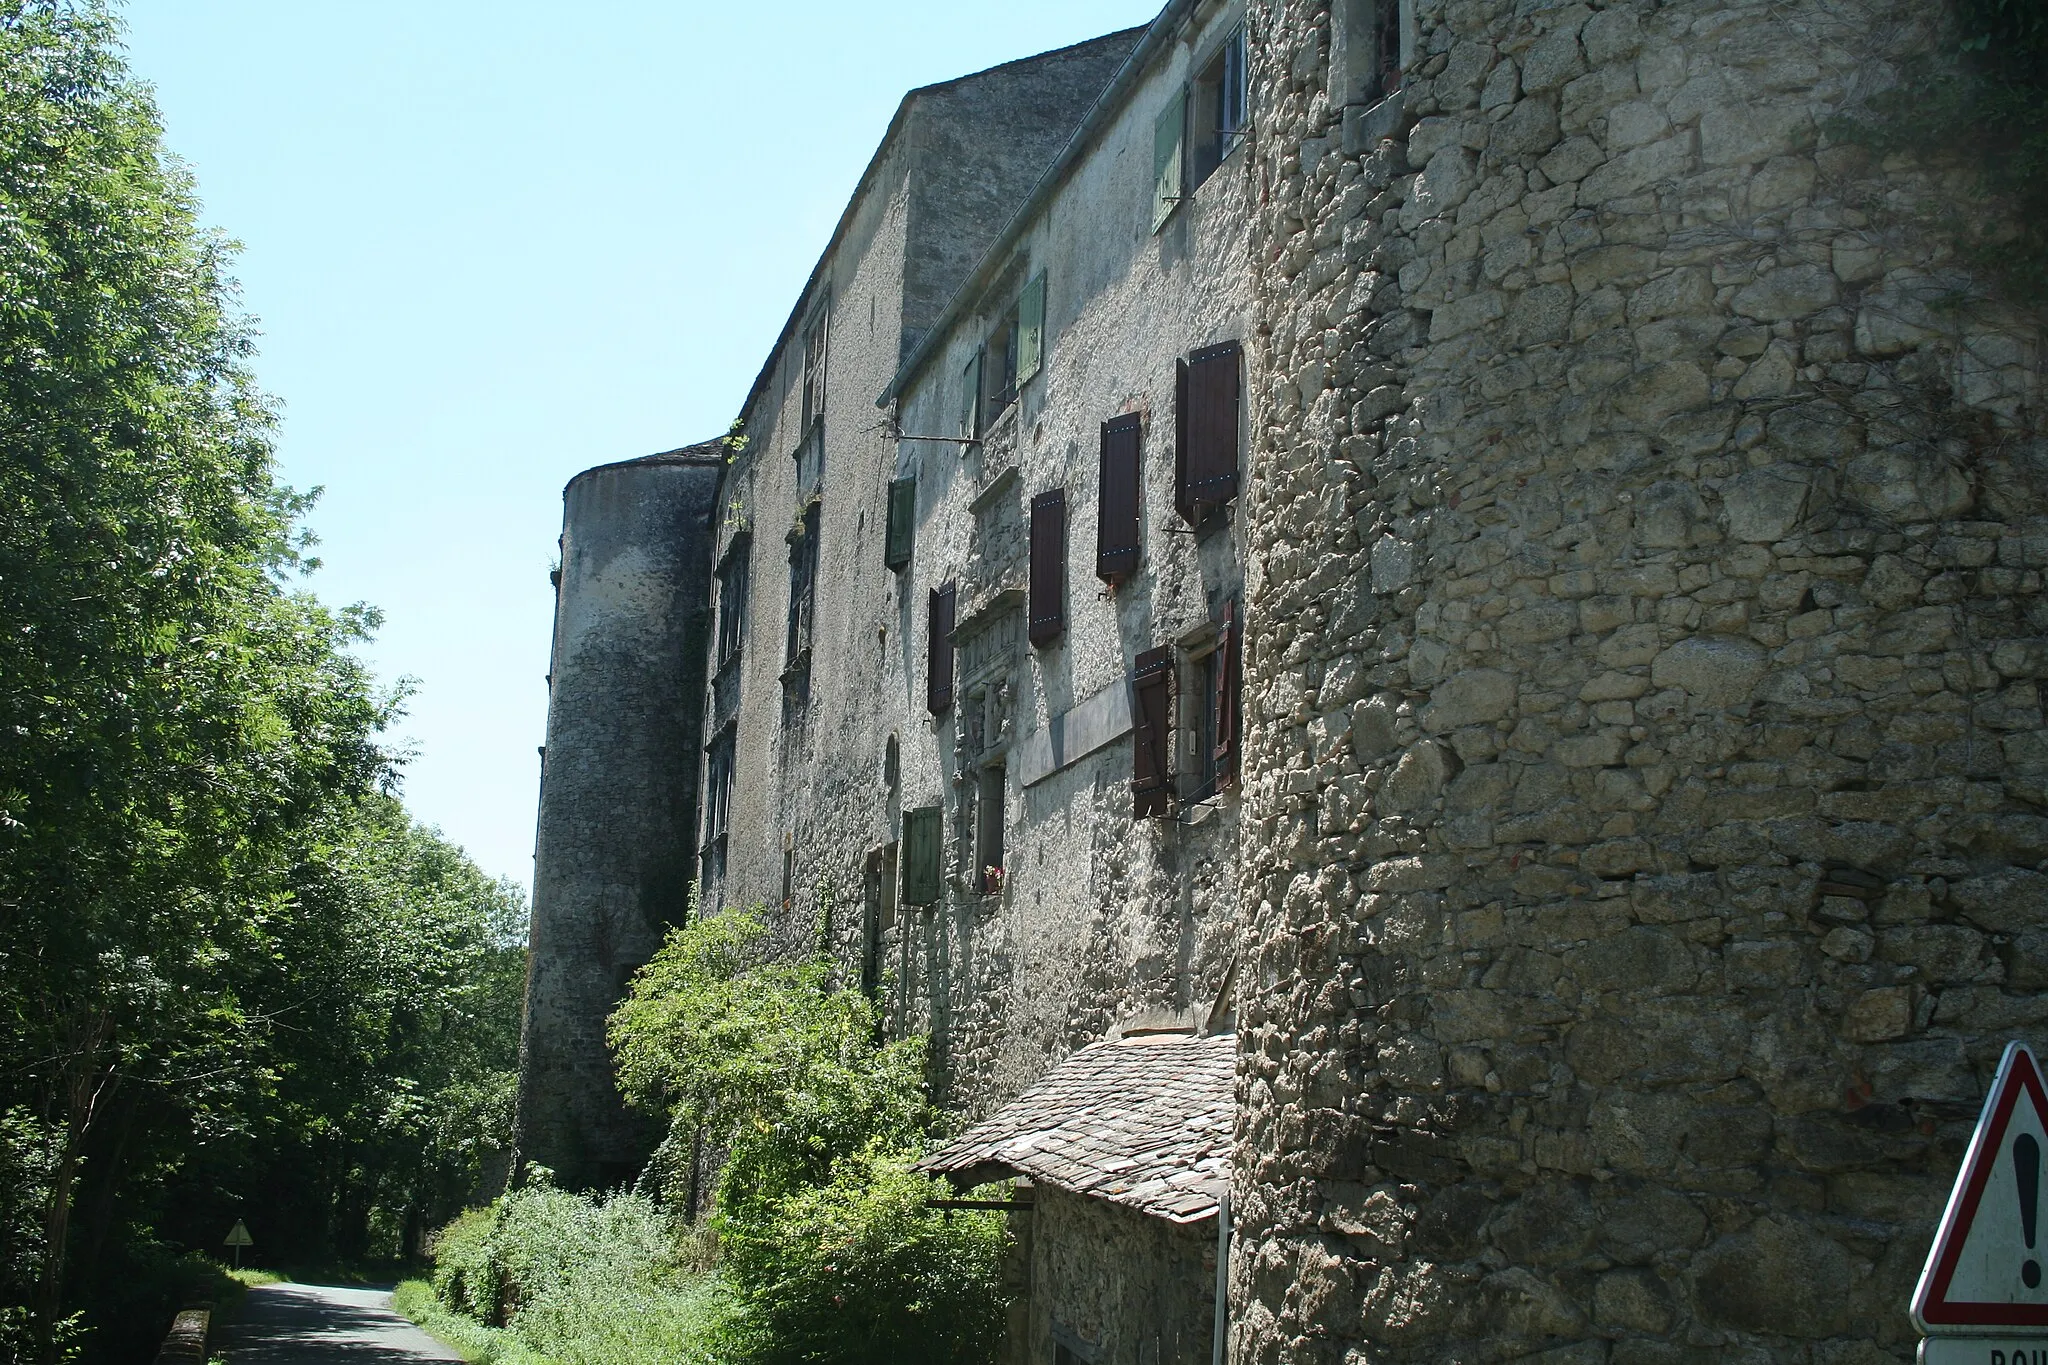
x,y
861,1271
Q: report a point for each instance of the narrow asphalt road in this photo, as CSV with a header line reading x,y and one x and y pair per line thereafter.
x,y
317,1324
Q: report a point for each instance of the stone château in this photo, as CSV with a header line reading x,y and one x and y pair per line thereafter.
x,y
1490,550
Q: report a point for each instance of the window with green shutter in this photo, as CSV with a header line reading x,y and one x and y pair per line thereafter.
x,y
1031,329
1169,138
922,856
970,397
902,518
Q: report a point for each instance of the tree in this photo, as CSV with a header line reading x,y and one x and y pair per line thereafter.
x,y
174,715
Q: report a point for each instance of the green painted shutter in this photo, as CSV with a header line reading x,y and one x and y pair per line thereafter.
x,y
970,397
902,517
921,856
1169,137
1031,329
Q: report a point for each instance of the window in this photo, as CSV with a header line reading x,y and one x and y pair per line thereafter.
x,y
814,366
1206,392
1216,109
718,786
1216,678
938,663
1169,139
1120,490
1152,734
970,397
1369,44
803,583
923,856
988,830
732,600
878,918
1048,566
1014,353
896,541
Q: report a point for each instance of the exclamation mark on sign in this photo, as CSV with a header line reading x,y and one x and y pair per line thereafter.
x,y
2026,1166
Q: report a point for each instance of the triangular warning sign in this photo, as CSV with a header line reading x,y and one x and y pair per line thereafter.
x,y
1989,1263
238,1235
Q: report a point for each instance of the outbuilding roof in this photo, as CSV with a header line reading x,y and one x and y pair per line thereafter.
x,y
1144,1122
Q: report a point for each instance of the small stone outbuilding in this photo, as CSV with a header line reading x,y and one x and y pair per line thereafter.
x,y
1126,1145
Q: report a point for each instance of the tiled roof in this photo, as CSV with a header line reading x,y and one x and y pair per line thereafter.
x,y
1143,1122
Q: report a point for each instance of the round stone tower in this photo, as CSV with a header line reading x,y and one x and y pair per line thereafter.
x,y
615,848
1644,833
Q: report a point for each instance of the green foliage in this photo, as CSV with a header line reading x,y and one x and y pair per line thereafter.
x,y
860,1271
1983,97
578,1279
233,976
829,1249
766,1059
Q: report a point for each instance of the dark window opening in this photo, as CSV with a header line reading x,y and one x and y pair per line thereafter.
x,y
732,604
1216,109
1365,53
878,918
1152,734
1000,372
718,786
988,830
803,583
902,524
1048,576
938,664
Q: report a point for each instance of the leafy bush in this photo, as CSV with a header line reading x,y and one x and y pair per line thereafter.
x,y
577,1279
861,1271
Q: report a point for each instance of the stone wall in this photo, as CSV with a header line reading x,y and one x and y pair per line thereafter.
x,y
618,806
1115,1286
1643,837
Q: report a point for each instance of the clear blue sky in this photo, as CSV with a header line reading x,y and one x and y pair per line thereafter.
x,y
492,243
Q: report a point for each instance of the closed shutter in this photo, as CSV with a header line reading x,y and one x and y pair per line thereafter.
x,y
1031,328
1152,736
970,397
1206,429
1048,566
1120,495
1180,440
1169,138
1226,705
902,517
921,856
938,667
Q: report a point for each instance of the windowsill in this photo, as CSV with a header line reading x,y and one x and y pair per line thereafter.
x,y
1365,124
798,666
727,665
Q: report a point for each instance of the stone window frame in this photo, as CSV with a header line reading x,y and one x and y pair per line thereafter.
x,y
1221,81
1361,34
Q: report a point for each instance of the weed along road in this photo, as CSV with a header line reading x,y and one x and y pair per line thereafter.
x,y
317,1324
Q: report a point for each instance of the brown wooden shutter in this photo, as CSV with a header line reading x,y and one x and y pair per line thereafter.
x,y
1152,735
938,667
1048,566
1120,494
1180,440
1206,428
1227,703
902,521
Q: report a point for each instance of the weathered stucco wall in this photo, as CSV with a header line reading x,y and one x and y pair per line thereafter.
x,y
1116,1287
1646,830
1100,916
618,804
809,780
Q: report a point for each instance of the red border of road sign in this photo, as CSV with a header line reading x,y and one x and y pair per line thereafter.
x,y
1932,1309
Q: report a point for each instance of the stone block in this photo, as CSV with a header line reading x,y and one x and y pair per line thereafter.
x,y
1877,1016
1763,506
1716,673
1776,1276
1790,291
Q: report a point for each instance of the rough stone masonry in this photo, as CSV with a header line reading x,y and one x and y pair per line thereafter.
x,y
1644,833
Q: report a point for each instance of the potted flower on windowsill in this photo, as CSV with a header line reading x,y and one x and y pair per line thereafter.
x,y
991,880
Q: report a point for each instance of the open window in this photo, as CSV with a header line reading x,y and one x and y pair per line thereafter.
x,y
810,450
1152,734
1207,391
902,525
988,829
732,599
1216,109
1215,679
1169,159
1013,354
1370,42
